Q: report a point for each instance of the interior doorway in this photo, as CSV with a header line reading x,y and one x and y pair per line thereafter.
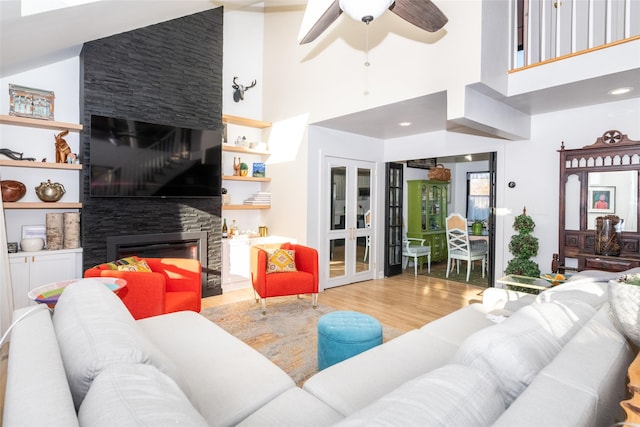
x,y
458,202
350,231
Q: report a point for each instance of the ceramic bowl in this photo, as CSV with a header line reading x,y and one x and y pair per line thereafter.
x,y
12,191
32,244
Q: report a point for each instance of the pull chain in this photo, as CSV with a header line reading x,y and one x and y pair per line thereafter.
x,y
366,55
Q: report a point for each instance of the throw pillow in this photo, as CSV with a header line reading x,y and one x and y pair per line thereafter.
x,y
136,395
281,261
113,265
140,266
95,330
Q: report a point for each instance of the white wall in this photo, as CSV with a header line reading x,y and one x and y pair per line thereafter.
x,y
531,164
243,58
327,78
325,142
63,78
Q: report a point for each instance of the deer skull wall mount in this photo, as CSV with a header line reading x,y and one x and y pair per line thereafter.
x,y
238,94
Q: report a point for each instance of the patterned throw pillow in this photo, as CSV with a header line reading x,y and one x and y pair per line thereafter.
x,y
281,261
141,266
113,265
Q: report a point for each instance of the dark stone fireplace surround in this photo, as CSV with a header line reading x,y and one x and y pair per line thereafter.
x,y
169,73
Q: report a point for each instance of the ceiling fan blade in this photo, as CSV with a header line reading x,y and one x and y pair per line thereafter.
x,y
421,13
318,16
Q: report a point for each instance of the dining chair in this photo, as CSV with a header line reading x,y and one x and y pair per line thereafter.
x,y
415,248
459,246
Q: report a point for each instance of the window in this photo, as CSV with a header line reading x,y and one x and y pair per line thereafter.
x,y
478,196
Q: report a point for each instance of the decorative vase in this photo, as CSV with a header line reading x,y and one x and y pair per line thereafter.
x,y
607,241
476,228
624,300
50,192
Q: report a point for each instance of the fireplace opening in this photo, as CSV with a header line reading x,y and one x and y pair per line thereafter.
x,y
192,245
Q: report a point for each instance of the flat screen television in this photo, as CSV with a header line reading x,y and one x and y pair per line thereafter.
x,y
137,159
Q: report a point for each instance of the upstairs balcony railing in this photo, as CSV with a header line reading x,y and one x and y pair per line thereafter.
x,y
547,30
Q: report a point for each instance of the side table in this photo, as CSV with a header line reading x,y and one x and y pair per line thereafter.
x,y
530,285
49,293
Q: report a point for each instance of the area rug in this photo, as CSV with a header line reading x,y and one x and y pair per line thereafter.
x,y
286,335
439,271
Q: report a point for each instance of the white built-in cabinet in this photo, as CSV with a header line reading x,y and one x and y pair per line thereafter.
x,y
30,270
236,259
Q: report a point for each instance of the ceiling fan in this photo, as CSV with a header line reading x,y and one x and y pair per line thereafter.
x,y
321,13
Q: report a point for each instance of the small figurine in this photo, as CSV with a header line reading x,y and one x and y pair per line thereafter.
x,y
71,158
14,155
62,148
236,166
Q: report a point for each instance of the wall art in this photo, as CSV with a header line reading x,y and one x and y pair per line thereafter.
x,y
29,102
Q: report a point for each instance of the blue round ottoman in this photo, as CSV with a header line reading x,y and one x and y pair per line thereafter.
x,y
343,334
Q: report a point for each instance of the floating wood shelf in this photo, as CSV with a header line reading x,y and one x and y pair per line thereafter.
x,y
242,121
42,165
244,207
47,124
245,178
42,205
235,149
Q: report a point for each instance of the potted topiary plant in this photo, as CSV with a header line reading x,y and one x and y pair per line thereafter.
x,y
523,246
624,299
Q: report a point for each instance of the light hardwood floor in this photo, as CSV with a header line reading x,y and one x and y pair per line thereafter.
x,y
403,302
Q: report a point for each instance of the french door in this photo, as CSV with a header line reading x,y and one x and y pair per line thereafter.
x,y
350,225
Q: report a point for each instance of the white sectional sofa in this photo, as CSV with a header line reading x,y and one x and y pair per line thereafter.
x,y
555,359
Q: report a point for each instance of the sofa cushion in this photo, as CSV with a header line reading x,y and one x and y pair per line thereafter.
x,y
209,359
136,395
356,382
95,330
453,395
588,286
512,352
583,385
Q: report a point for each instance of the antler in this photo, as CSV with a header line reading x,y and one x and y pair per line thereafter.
x,y
253,83
235,85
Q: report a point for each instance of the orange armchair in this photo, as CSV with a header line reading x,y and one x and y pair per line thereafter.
x,y
303,281
174,284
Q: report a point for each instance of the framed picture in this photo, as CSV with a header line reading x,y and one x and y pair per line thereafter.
x,y
602,199
28,102
422,163
258,170
29,231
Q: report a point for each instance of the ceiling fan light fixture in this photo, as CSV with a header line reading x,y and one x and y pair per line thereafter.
x,y
365,10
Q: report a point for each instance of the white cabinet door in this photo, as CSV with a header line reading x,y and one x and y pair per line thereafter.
x,y
239,260
30,270
51,268
19,266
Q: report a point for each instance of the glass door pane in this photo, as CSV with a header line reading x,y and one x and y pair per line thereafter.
x,y
393,220
337,240
362,253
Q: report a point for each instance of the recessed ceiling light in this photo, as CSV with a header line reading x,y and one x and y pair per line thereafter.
x,y
620,91
405,123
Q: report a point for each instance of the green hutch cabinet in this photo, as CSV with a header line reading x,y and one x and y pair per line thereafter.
x,y
427,215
